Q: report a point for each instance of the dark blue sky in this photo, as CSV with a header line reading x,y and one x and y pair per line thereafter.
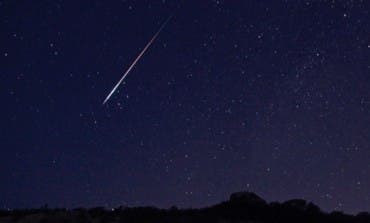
x,y
267,96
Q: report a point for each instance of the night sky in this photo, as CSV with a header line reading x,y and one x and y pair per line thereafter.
x,y
266,96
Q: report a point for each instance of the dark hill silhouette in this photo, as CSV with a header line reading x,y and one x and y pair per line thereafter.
x,y
241,207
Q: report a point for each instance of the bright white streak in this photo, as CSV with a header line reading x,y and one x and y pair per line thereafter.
x,y
136,60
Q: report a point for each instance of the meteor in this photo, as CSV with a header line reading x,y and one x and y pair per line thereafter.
x,y
137,59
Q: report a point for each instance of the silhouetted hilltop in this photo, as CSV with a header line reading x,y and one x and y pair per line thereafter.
x,y
241,207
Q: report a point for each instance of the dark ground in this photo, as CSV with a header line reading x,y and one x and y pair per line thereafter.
x,y
241,207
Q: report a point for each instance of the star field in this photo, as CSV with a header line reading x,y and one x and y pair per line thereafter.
x,y
267,96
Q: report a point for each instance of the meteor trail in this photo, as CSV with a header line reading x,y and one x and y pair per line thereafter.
x,y
137,59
